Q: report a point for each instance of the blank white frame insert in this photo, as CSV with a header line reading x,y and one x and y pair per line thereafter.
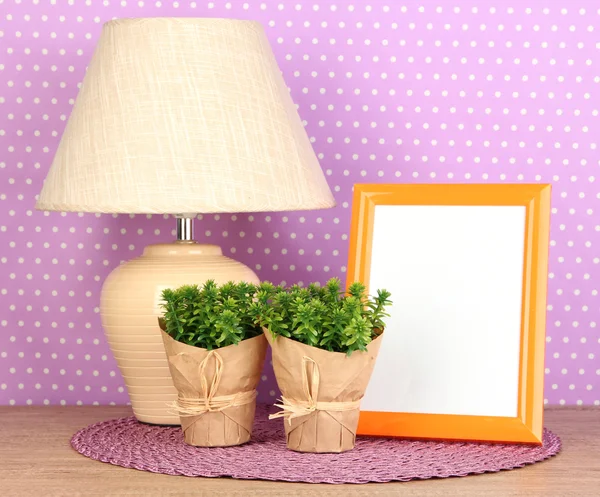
x,y
452,343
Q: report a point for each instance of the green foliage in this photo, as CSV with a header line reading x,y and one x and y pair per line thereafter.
x,y
323,317
215,316
211,316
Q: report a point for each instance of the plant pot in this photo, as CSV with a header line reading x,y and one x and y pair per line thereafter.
x,y
216,390
321,393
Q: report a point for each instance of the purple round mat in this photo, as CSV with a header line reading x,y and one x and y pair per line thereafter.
x,y
161,449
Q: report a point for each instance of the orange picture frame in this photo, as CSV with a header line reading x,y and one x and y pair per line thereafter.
x,y
527,426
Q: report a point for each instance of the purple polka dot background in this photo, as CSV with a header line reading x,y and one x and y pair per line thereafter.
x,y
427,92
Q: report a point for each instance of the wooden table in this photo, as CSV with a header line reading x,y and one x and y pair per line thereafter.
x,y
36,459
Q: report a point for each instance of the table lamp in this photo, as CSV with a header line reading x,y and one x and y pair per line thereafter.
x,y
178,116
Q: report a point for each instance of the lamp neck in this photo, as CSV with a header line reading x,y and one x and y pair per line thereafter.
x,y
185,229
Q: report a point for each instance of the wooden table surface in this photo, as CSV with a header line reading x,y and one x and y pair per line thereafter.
x,y
36,459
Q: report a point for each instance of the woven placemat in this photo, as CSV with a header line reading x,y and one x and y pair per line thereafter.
x,y
160,449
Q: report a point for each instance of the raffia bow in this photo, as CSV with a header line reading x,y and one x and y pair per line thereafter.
x,y
208,402
292,408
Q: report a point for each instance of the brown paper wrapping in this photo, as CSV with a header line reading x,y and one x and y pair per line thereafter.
x,y
216,407
321,393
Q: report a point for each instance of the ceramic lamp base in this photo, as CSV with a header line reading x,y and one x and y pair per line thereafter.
x,y
129,308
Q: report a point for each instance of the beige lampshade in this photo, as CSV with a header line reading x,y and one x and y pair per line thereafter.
x,y
184,116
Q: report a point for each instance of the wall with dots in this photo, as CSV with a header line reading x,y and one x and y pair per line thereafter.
x,y
439,92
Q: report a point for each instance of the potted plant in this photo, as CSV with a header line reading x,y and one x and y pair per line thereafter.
x,y
216,353
324,347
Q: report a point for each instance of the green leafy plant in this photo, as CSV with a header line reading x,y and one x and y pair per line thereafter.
x,y
211,316
323,317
